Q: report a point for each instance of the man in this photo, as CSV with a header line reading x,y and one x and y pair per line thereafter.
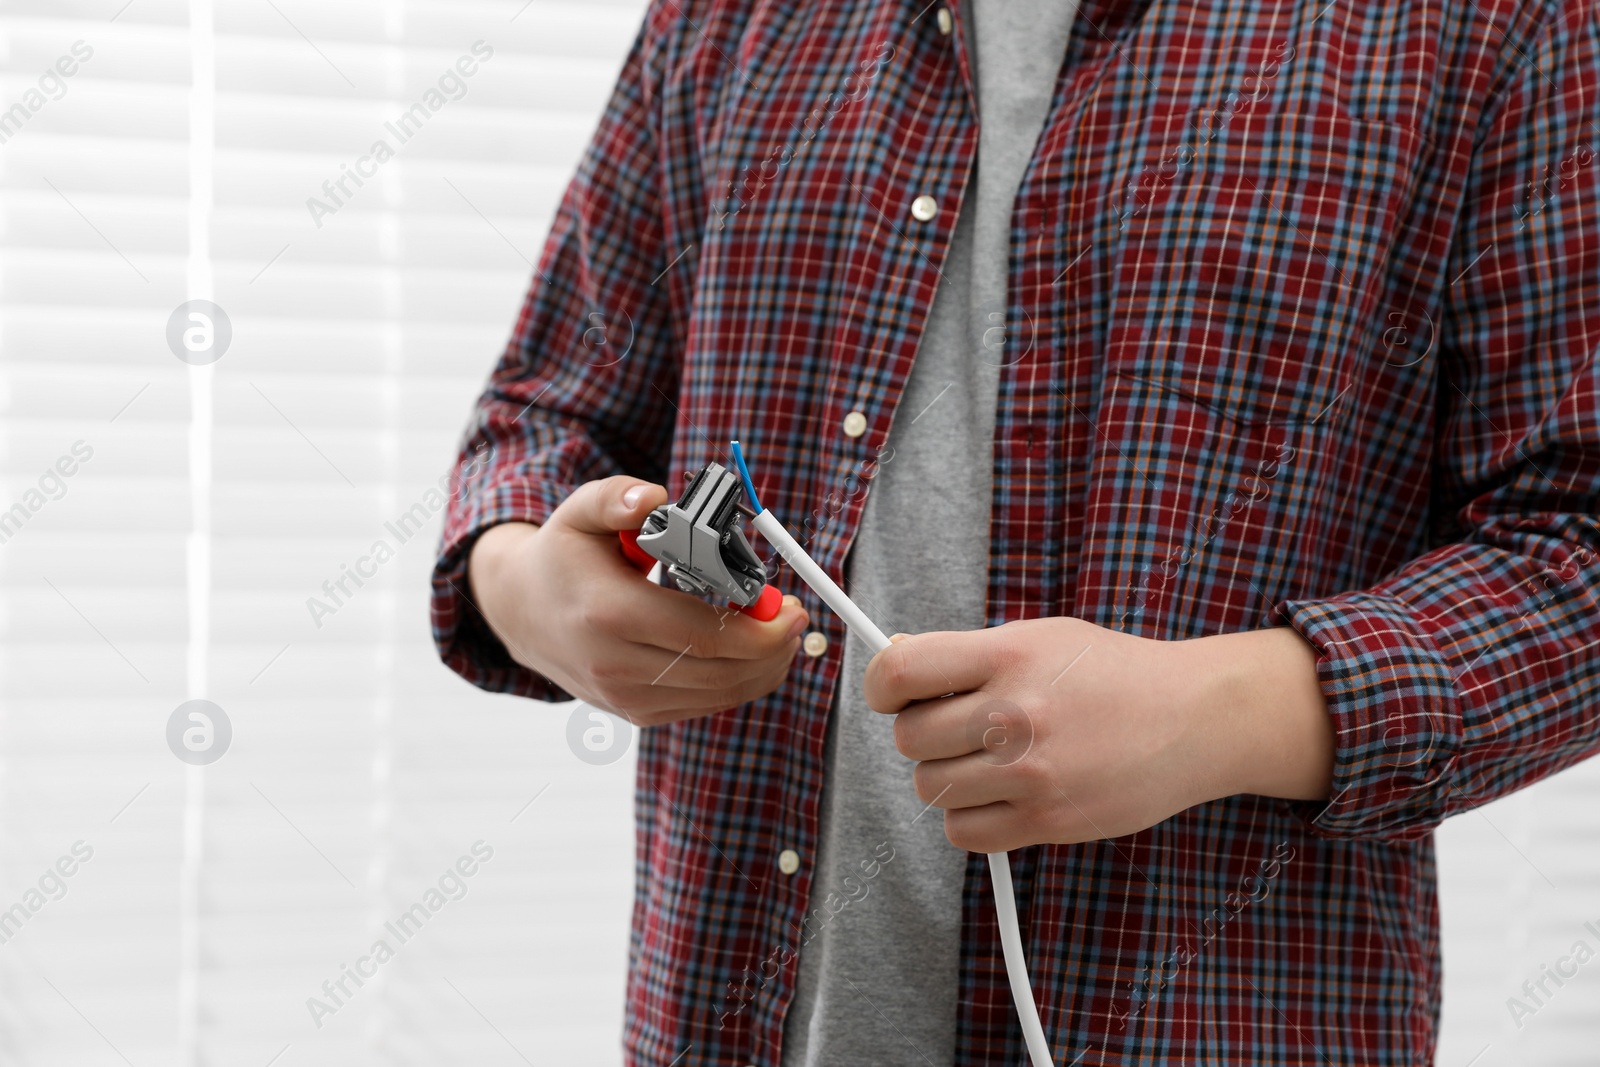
x,y
1218,415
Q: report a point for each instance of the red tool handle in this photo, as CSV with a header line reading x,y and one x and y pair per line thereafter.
x,y
765,608
636,555
767,605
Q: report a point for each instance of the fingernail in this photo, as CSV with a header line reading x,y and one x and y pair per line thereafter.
x,y
631,497
794,631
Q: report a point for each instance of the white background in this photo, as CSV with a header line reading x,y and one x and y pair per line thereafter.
x,y
179,561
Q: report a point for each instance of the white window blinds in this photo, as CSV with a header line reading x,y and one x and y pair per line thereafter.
x,y
221,913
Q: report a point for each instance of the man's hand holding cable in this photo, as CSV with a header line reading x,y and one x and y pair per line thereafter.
x,y
1058,730
566,603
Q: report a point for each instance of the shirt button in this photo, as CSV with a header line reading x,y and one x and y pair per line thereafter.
x,y
816,643
788,861
946,23
924,208
855,424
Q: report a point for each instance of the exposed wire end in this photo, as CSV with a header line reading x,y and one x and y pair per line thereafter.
x,y
744,475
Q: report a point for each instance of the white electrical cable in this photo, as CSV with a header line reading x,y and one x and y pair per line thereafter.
x,y
767,524
1005,900
1005,908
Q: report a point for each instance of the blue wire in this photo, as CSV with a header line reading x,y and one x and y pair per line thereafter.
x,y
744,474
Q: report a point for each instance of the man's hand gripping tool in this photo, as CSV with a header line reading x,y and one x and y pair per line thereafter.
x,y
699,541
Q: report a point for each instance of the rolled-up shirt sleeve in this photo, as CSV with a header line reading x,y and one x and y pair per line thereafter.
x,y
1474,669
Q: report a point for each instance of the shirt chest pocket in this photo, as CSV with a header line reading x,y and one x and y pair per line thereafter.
x,y
1251,261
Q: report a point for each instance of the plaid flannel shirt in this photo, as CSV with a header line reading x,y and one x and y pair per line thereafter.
x,y
1303,306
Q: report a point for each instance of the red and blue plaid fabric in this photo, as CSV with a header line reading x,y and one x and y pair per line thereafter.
x,y
1304,303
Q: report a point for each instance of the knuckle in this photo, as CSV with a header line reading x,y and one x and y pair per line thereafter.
x,y
758,646
961,834
1032,775
896,669
1035,812
718,678
1005,648
605,672
597,616
904,735
1036,719
1038,820
1056,823
886,677
730,690
729,697
583,499
708,644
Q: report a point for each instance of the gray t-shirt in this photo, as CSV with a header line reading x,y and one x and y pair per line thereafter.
x,y
879,965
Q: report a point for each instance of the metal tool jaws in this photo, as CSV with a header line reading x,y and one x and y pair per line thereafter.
x,y
700,542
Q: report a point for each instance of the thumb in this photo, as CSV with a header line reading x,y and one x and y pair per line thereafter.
x,y
608,505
